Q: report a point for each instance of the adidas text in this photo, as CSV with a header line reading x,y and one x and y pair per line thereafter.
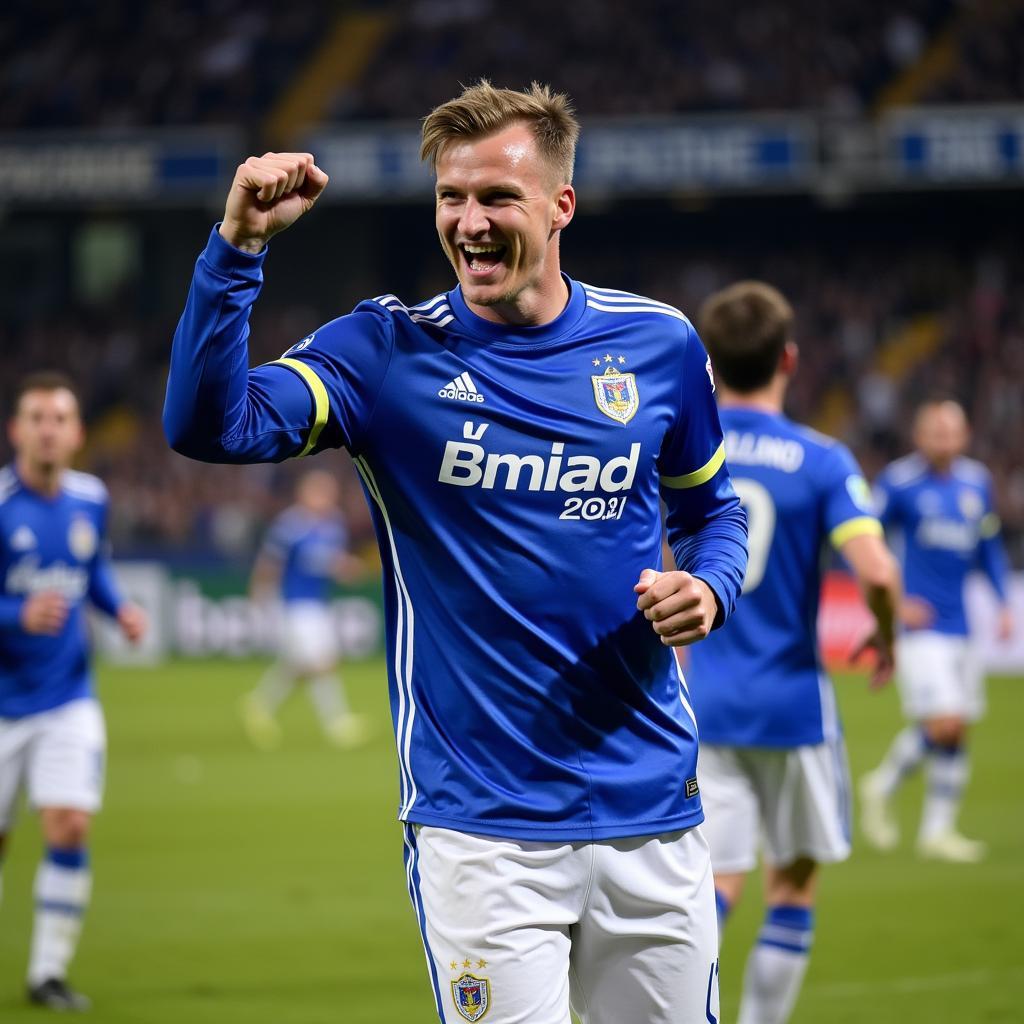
x,y
462,389
460,396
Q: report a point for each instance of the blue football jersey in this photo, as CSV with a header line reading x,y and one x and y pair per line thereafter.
x,y
760,682
943,526
307,547
515,476
50,544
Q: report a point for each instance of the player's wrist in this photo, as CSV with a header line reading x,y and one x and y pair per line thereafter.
x,y
250,244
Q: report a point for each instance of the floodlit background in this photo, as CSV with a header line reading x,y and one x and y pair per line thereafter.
x,y
865,157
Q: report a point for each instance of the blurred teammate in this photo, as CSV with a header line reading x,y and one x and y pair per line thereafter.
x,y
940,506
514,437
52,736
773,769
305,551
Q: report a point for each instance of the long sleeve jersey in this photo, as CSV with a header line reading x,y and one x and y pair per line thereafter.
x,y
515,476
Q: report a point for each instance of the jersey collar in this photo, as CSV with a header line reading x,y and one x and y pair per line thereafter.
x,y
514,336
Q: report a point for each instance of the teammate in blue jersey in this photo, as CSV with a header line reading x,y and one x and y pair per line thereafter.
x,y
939,507
304,553
772,763
52,738
515,437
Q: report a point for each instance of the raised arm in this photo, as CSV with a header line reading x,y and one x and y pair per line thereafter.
x,y
215,409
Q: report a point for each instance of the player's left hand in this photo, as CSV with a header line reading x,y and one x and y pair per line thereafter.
x,y
133,622
1004,625
680,607
884,649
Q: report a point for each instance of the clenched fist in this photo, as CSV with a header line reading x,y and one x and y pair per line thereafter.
x,y
269,193
681,608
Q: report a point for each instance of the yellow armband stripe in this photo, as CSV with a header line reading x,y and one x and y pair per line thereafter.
x,y
321,403
990,526
859,527
698,476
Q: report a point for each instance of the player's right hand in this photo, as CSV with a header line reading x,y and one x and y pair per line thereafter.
x,y
269,193
44,613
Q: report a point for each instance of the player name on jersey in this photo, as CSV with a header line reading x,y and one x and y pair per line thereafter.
x,y
747,449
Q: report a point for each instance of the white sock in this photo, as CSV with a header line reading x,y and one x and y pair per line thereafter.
x,y
903,758
776,966
63,884
948,770
275,687
328,697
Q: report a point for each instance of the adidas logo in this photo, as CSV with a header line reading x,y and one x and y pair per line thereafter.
x,y
462,389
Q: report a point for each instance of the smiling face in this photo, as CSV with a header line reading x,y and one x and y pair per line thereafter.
x,y
500,208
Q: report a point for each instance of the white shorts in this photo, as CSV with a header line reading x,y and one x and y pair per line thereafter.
x,y
309,637
623,930
796,803
57,755
939,675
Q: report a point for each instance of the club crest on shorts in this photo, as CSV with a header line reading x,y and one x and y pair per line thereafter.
x,y
472,996
82,538
616,394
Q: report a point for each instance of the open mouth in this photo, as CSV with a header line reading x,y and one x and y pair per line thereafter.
x,y
483,257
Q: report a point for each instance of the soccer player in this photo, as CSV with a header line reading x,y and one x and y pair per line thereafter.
x,y
773,767
305,551
939,504
514,437
52,736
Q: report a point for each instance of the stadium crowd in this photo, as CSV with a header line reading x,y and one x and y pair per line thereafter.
x,y
113,65
847,312
831,57
983,63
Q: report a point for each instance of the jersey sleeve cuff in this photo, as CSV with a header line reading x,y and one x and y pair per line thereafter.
x,y
224,258
718,588
859,527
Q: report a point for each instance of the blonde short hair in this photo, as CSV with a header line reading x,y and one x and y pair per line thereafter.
x,y
482,110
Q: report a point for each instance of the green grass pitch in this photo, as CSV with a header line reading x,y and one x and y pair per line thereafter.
x,y
233,886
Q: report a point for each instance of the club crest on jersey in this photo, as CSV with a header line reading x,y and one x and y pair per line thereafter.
x,y
971,505
616,394
82,539
472,996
